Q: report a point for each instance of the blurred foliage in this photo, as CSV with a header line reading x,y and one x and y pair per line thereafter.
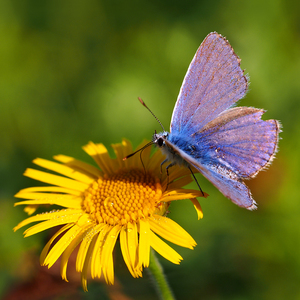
x,y
71,72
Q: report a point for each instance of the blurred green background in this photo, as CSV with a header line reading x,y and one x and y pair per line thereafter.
x,y
71,72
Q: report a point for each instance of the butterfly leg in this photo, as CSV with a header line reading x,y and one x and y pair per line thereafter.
x,y
169,166
196,181
162,165
167,170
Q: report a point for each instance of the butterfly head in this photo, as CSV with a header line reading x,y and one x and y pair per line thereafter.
x,y
159,138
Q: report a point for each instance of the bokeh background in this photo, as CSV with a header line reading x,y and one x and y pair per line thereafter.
x,y
71,72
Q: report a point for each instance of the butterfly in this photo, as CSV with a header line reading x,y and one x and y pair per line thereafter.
x,y
226,144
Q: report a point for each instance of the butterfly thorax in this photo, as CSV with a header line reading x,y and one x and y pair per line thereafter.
x,y
161,140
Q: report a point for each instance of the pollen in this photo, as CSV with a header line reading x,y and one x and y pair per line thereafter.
x,y
123,197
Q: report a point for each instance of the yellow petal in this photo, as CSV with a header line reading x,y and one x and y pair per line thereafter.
x,y
177,184
80,166
132,242
56,180
109,272
61,245
66,254
144,243
84,246
154,164
164,250
106,255
49,216
140,159
49,196
30,209
100,154
68,201
145,155
108,247
198,208
181,194
48,245
74,203
64,170
120,154
51,223
51,189
174,173
171,231
87,263
96,267
124,249
84,281
129,247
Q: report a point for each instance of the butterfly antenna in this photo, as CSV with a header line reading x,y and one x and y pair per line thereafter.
x,y
141,149
196,181
151,113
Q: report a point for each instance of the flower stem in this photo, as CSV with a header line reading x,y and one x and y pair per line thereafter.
x,y
160,281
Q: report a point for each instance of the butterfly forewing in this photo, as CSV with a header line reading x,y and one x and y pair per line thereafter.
x,y
213,83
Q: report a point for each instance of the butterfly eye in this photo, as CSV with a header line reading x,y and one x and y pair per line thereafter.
x,y
160,142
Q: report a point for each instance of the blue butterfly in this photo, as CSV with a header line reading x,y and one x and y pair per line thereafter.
x,y
225,144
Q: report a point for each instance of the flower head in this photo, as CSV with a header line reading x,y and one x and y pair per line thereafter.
x,y
123,199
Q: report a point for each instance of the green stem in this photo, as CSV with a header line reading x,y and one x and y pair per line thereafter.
x,y
159,277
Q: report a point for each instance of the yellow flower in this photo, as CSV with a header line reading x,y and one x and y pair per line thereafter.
x,y
123,199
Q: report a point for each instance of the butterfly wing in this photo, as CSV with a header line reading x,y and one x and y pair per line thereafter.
x,y
213,83
228,183
240,140
233,147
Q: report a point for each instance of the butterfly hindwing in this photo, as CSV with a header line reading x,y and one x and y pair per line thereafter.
x,y
240,140
234,146
228,183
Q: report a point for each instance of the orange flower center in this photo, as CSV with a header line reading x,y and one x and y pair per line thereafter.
x,y
123,197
